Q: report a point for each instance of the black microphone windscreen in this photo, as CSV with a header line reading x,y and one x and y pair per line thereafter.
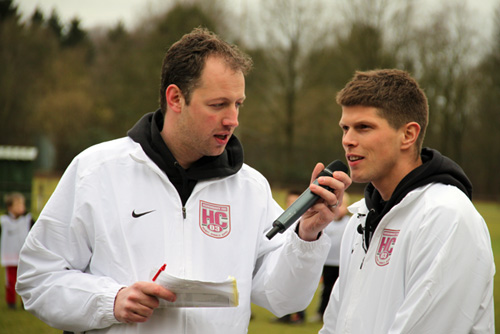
x,y
336,165
360,229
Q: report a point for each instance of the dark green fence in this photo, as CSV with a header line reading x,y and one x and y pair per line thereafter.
x,y
16,171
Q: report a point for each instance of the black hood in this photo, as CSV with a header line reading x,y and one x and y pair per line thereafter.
x,y
146,132
435,168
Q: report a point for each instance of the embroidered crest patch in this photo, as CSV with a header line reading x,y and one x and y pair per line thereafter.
x,y
385,247
215,219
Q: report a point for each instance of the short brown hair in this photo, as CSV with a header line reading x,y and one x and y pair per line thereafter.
x,y
395,94
185,60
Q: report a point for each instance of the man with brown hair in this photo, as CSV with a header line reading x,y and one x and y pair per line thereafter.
x,y
174,192
416,256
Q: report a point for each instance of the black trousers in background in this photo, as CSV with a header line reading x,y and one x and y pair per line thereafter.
x,y
330,275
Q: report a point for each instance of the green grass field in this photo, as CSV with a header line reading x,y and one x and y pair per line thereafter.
x,y
22,322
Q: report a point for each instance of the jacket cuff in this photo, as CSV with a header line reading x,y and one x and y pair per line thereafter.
x,y
108,307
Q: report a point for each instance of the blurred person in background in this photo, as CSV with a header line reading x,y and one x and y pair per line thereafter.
x,y
335,230
15,227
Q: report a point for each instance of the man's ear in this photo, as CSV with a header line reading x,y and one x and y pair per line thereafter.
x,y
410,134
175,99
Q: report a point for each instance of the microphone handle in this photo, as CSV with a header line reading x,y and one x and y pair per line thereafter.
x,y
288,217
304,202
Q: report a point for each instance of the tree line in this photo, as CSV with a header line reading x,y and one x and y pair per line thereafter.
x,y
64,88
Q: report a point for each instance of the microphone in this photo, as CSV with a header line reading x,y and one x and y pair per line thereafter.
x,y
304,202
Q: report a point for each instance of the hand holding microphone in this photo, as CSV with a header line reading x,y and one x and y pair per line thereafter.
x,y
305,201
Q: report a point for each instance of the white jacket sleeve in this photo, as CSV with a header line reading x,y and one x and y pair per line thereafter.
x,y
449,286
52,278
288,270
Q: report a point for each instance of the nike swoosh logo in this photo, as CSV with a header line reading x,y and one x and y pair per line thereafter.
x,y
137,215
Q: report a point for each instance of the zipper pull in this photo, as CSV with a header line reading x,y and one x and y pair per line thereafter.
x,y
184,212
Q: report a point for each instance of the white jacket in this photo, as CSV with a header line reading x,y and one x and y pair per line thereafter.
x,y
429,269
14,232
86,245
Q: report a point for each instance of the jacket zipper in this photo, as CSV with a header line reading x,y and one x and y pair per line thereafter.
x,y
184,212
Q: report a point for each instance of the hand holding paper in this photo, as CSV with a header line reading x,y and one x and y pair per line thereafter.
x,y
194,293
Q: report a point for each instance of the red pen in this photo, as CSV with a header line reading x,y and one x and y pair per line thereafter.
x,y
162,268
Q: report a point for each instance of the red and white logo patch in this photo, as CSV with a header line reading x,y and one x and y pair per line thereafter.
x,y
215,219
385,247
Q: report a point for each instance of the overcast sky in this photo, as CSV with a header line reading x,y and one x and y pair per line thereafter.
x,y
109,12
90,12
